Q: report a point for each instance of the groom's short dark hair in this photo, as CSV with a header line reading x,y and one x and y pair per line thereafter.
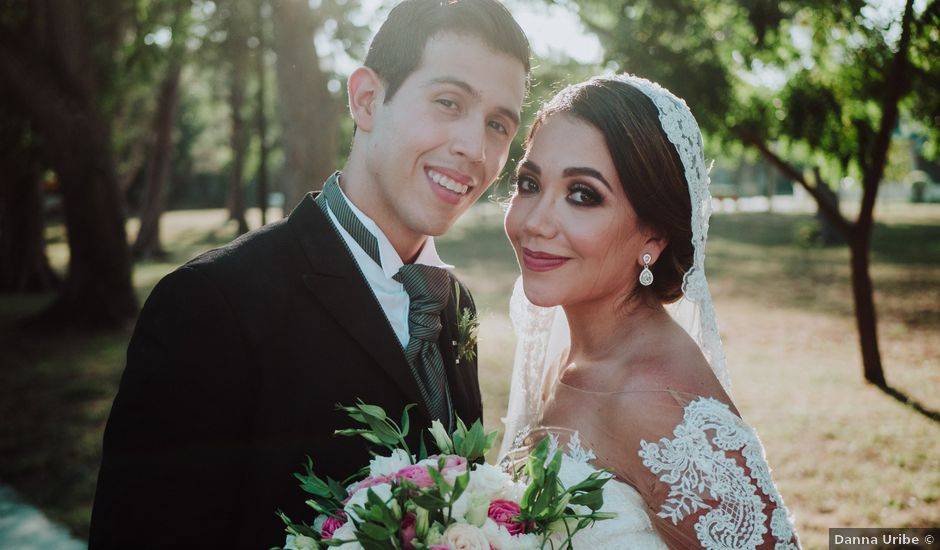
x,y
397,48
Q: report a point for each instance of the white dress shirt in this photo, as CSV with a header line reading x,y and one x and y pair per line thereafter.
x,y
390,293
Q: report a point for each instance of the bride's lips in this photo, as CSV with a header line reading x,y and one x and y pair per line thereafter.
x,y
541,261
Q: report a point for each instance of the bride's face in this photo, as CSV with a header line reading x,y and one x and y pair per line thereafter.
x,y
575,234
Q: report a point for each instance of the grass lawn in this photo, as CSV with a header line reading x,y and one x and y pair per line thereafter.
x,y
844,453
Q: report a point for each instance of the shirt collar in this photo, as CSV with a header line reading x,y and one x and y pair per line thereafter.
x,y
391,261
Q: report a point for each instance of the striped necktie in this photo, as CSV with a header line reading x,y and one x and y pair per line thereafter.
x,y
428,290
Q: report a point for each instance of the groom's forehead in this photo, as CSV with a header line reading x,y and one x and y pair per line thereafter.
x,y
464,60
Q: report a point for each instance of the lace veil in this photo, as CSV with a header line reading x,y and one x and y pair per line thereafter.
x,y
542,333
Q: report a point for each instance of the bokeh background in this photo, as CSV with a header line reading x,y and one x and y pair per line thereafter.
x,y
135,134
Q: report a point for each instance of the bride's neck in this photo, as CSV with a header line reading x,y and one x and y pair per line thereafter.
x,y
597,333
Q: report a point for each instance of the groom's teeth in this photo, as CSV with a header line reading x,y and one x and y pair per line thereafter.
x,y
448,183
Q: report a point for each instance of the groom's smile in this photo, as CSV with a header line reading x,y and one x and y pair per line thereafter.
x,y
449,185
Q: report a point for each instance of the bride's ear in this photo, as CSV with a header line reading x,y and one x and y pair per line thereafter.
x,y
654,246
366,91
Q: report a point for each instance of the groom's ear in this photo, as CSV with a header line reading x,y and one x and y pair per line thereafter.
x,y
366,91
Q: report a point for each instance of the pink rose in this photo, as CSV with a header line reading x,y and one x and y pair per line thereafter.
x,y
454,463
368,482
408,530
332,524
502,512
417,475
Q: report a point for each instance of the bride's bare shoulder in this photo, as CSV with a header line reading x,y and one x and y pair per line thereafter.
x,y
672,362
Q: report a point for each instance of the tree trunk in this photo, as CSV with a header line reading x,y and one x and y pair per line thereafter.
x,y
771,185
239,138
261,117
865,318
148,243
24,266
309,120
98,291
54,81
897,81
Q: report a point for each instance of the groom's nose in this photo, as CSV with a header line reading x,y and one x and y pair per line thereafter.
x,y
469,139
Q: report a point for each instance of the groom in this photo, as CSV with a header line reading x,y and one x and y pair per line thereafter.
x,y
240,356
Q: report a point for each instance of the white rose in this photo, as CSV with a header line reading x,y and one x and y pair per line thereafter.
x,y
488,480
383,490
461,536
499,537
299,542
471,507
388,465
347,532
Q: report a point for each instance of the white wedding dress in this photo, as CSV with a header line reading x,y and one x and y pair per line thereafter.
x,y
688,471
704,485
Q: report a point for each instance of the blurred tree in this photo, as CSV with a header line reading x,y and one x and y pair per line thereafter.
x,y
23,262
807,82
58,61
237,16
262,14
153,203
308,112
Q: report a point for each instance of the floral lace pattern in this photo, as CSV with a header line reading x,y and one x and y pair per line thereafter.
x,y
696,465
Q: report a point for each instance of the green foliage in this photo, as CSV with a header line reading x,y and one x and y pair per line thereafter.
x,y
547,502
468,326
808,74
381,430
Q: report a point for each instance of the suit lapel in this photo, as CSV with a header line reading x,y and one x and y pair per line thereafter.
x,y
336,281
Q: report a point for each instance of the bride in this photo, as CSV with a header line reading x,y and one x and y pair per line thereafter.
x,y
619,359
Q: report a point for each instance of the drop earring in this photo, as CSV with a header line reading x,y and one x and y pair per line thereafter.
x,y
646,276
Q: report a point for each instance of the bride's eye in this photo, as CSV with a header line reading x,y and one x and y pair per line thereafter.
x,y
526,184
583,195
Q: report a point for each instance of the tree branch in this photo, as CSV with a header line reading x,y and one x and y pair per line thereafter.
x,y
897,84
828,209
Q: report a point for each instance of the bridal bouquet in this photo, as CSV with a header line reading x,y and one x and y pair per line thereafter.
x,y
448,501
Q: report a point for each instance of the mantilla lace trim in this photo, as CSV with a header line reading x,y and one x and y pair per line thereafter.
x,y
695,463
683,132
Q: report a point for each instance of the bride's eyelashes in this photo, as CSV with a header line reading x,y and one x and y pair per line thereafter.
x,y
582,194
525,184
579,193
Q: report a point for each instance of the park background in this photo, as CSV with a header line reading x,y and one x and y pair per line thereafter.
x,y
135,134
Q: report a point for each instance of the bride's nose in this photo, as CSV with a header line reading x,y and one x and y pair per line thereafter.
x,y
541,220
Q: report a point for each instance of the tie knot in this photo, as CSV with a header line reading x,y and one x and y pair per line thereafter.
x,y
427,286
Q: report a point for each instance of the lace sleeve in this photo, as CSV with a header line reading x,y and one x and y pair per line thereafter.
x,y
710,482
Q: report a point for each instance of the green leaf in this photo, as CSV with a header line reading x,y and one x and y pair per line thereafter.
x,y
405,419
374,411
442,486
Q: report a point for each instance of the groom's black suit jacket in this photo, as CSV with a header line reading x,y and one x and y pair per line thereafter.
x,y
233,373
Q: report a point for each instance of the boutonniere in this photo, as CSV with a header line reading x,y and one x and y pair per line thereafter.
x,y
467,327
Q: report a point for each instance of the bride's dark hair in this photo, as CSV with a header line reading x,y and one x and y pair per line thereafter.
x,y
647,164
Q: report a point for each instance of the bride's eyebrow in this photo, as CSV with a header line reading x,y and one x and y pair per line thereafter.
x,y
585,171
530,166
